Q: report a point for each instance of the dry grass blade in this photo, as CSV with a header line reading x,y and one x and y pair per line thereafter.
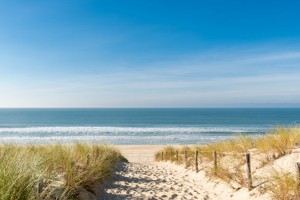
x,y
53,171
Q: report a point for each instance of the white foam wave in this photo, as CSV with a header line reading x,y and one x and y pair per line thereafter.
x,y
112,139
128,130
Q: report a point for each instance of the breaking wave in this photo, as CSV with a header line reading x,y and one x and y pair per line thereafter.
x,y
128,130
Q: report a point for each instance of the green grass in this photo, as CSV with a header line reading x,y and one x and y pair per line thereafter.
x,y
53,171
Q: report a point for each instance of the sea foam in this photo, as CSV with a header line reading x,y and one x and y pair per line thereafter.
x,y
116,130
123,135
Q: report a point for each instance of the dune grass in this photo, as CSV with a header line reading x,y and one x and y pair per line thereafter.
x,y
282,185
278,142
231,159
54,171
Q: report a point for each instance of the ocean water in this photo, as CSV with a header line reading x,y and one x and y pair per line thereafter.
x,y
139,126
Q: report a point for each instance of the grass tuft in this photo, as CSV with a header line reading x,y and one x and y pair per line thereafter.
x,y
282,185
231,163
53,171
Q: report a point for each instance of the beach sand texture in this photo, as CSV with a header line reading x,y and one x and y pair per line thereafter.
x,y
142,178
139,153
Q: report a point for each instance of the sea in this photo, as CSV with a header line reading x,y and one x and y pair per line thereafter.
x,y
140,126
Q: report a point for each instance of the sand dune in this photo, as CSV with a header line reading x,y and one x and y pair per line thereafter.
x,y
142,178
169,181
146,179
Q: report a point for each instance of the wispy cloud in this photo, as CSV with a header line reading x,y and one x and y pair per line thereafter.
x,y
267,79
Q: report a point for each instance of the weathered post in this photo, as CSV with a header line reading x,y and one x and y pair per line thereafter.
x,y
166,156
298,177
162,156
215,162
185,158
171,156
249,176
298,170
177,155
196,161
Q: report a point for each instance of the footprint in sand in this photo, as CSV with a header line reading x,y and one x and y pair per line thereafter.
x,y
150,181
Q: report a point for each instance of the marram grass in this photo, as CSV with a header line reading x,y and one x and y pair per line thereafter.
x,y
53,171
231,159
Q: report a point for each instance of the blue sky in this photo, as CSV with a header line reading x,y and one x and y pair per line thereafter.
x,y
149,53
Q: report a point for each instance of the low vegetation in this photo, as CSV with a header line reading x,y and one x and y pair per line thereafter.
x,y
54,171
282,185
231,161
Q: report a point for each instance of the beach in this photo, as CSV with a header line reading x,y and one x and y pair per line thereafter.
x,y
149,100
139,153
99,172
160,146
145,178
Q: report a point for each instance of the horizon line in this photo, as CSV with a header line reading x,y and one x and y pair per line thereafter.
x,y
150,108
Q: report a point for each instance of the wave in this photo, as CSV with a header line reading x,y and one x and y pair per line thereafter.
x,y
124,135
162,140
129,130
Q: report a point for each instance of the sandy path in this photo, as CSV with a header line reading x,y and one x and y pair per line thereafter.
x,y
142,178
154,181
139,153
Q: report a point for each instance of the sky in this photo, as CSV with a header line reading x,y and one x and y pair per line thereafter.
x,y
59,53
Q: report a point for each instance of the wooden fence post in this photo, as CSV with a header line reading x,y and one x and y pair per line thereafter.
x,y
249,176
298,177
171,156
166,156
196,161
185,158
162,156
215,163
298,170
177,155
